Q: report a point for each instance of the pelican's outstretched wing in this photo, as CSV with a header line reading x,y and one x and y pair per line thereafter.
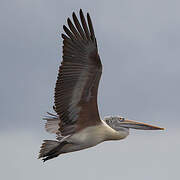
x,y
78,78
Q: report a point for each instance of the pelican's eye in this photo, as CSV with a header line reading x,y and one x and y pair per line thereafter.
x,y
122,118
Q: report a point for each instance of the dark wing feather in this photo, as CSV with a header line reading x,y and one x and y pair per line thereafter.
x,y
78,78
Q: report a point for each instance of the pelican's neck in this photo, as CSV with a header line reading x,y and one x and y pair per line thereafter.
x,y
111,134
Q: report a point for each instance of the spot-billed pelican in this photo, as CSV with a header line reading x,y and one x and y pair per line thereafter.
x,y
77,123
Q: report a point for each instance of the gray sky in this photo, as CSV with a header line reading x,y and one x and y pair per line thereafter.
x,y
139,45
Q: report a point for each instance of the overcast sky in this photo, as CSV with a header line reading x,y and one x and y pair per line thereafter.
x,y
139,45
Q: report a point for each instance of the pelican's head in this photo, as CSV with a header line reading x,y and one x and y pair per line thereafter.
x,y
123,125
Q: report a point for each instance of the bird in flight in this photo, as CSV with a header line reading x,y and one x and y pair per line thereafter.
x,y
77,123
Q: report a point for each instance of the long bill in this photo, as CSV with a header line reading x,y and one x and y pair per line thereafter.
x,y
138,125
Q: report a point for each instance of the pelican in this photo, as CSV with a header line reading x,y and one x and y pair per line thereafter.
x,y
77,123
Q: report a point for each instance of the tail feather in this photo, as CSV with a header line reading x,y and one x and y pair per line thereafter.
x,y
50,149
47,146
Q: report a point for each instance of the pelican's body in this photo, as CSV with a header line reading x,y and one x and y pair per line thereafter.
x,y
93,135
77,123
